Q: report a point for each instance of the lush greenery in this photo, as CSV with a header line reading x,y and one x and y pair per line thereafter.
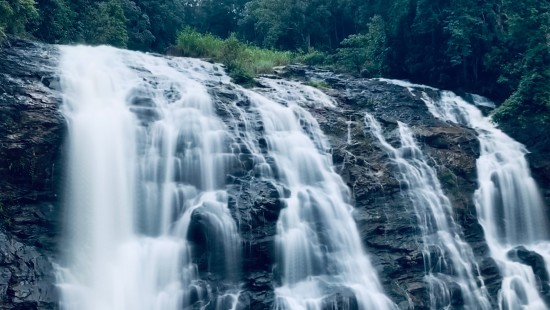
x,y
498,48
243,61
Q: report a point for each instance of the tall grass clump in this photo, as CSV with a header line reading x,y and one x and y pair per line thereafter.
x,y
190,43
243,61
313,58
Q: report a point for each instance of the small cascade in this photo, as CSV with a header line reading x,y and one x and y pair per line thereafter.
x,y
348,123
508,203
146,168
321,260
452,274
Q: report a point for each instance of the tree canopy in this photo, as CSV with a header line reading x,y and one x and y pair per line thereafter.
x,y
497,48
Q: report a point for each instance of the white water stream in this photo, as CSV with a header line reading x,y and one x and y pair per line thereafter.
x,y
148,155
145,151
318,243
448,259
508,203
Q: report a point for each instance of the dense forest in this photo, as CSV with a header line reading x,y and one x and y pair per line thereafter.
x,y
497,48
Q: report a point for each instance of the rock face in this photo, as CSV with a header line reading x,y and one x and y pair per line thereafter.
x,y
31,138
385,216
32,131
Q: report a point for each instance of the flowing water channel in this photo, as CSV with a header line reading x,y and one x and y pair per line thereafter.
x,y
145,151
508,203
148,159
152,154
323,263
449,262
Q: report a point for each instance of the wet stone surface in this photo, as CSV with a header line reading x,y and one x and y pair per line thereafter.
x,y
32,132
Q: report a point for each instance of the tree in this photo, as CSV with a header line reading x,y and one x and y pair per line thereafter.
x,y
106,24
166,17
366,53
56,21
288,24
138,27
17,16
218,17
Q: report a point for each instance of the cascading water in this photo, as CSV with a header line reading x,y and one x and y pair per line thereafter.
x,y
321,259
508,203
146,151
148,161
448,259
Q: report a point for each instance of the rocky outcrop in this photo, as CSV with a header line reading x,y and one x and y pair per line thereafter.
x,y
31,137
385,215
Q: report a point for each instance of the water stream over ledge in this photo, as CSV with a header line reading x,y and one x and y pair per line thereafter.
x,y
145,152
452,273
147,199
161,149
509,206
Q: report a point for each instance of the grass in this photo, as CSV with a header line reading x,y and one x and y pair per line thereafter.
x,y
318,84
243,61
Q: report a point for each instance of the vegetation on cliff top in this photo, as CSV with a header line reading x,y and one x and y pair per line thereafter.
x,y
497,48
243,61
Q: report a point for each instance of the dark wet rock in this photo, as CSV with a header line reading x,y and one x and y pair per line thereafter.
x,y
540,167
343,299
491,275
522,255
385,217
32,131
31,138
26,277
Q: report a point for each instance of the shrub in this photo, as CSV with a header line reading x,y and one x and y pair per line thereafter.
x,y
243,61
313,58
194,44
319,84
365,54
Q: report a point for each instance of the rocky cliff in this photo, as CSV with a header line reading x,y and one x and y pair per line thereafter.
x,y
32,132
31,138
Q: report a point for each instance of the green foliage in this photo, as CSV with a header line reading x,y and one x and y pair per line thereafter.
x,y
365,53
166,17
257,60
17,16
313,58
287,24
138,26
526,113
194,44
219,18
353,55
106,24
318,84
233,54
243,61
56,21
530,104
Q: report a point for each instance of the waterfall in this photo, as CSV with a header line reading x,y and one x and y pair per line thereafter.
x,y
451,271
509,206
508,203
321,259
148,221
146,153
